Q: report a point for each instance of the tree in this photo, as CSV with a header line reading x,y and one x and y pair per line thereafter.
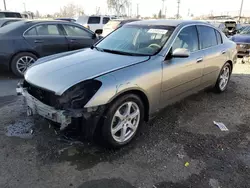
x,y
154,16
71,10
119,6
160,15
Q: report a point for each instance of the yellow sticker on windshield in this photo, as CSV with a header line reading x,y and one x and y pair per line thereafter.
x,y
158,31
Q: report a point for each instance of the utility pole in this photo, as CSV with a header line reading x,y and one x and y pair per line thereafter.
x,y
242,1
4,3
162,10
137,10
178,9
24,6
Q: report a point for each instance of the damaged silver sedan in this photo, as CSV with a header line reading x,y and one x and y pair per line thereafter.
x,y
123,80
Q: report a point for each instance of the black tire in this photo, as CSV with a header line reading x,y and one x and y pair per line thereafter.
x,y
15,59
217,87
106,134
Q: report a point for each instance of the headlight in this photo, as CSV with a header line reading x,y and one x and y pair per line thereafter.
x,y
243,45
78,95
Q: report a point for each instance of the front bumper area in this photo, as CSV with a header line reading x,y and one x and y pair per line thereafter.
x,y
85,120
34,107
243,50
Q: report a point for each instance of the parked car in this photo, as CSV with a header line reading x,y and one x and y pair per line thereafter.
x,y
115,24
94,23
8,14
229,27
242,40
23,42
128,76
241,27
7,21
66,19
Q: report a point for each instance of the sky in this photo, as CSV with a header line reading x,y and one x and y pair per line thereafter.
x,y
146,7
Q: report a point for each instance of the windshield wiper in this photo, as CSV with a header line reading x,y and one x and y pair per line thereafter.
x,y
122,53
98,49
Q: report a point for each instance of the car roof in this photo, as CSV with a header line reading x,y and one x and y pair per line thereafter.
x,y
124,19
43,21
8,19
167,22
4,20
9,12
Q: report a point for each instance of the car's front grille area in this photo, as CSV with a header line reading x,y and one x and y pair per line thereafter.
x,y
46,97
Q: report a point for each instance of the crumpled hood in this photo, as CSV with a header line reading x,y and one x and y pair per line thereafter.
x,y
241,38
61,71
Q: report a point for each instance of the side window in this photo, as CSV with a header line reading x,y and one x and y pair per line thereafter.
x,y
94,20
31,32
207,37
44,29
218,36
75,31
188,38
105,20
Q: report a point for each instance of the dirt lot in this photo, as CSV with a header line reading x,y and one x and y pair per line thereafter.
x,y
182,133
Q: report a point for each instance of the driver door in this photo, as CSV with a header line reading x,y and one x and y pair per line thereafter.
x,y
182,75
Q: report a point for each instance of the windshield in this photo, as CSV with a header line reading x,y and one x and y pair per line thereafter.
x,y
245,31
137,40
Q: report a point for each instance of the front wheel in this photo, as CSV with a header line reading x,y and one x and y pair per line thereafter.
x,y
223,78
122,121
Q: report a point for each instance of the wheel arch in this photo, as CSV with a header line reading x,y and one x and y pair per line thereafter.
x,y
23,51
140,94
231,64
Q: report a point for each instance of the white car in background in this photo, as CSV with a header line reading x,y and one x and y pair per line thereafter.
x,y
94,23
115,24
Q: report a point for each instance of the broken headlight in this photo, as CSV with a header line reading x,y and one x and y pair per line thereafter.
x,y
78,95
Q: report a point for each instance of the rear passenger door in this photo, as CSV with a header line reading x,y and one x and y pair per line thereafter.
x,y
214,54
78,37
46,39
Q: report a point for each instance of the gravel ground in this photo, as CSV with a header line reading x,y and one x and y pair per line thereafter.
x,y
181,148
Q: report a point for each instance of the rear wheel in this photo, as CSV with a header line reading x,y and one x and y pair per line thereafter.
x,y
21,62
223,79
122,122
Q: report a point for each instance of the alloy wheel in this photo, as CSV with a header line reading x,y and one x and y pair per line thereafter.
x,y
125,122
23,63
224,78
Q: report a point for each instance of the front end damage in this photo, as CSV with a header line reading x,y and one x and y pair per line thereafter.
x,y
63,110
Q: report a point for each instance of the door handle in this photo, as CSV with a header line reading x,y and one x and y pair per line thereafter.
x,y
38,41
72,40
198,60
223,51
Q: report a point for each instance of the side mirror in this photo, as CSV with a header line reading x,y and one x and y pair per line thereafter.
x,y
181,53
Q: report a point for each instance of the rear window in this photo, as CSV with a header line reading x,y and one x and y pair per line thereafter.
x,y
10,15
11,27
94,20
218,36
105,20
